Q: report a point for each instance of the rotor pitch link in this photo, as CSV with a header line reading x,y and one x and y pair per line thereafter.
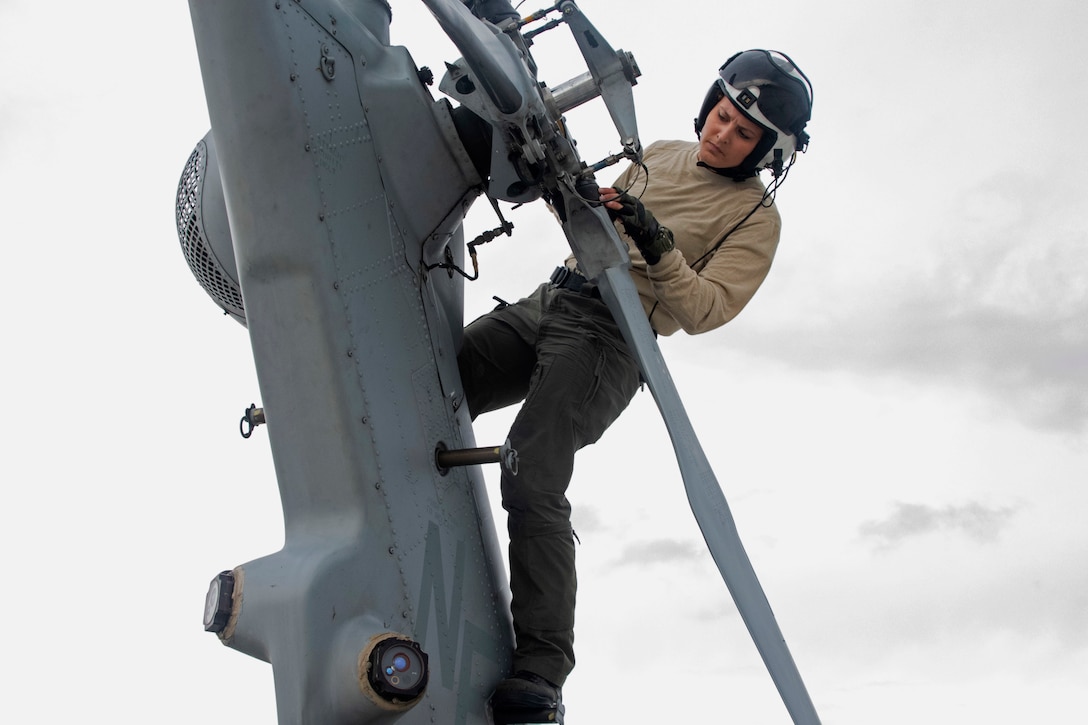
x,y
504,455
584,88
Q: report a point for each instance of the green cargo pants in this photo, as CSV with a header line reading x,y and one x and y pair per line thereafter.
x,y
562,353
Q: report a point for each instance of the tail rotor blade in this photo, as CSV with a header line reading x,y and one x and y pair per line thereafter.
x,y
706,498
601,255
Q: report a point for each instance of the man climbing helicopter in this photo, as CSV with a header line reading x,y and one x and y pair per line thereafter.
x,y
702,231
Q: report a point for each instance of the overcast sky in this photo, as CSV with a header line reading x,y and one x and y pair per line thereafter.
x,y
898,420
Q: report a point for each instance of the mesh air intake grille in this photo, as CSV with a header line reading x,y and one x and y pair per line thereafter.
x,y
194,243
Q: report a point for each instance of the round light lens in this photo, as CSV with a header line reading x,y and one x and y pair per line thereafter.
x,y
398,669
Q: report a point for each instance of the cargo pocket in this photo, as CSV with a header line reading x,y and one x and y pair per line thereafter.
x,y
615,379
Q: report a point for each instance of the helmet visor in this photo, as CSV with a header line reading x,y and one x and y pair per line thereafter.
x,y
784,97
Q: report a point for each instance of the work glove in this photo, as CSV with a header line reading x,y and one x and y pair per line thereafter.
x,y
651,238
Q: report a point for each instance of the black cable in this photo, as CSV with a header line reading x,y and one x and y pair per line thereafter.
x,y
645,184
768,196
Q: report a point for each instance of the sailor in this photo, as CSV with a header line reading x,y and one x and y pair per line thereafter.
x,y
702,230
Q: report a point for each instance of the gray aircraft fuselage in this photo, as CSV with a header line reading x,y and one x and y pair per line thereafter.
x,y
324,211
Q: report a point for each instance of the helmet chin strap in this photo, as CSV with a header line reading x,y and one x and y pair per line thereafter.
x,y
776,163
779,169
736,173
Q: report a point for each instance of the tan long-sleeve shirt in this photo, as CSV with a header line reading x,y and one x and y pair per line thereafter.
x,y
699,207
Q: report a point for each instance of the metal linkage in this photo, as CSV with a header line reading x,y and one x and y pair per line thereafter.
x,y
253,417
507,457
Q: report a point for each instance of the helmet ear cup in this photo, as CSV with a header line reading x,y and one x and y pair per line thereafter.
x,y
753,161
713,97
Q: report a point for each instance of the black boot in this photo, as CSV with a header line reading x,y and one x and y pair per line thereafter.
x,y
527,697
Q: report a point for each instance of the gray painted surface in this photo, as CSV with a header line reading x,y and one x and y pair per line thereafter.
x,y
344,182
355,354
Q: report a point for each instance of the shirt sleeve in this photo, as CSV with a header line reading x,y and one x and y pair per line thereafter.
x,y
712,294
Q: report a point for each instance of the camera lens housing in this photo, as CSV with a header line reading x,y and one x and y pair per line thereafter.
x,y
397,669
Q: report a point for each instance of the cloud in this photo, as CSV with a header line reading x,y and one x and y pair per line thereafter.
x,y
588,520
990,293
660,551
908,521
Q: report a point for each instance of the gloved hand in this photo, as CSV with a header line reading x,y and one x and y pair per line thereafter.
x,y
651,238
